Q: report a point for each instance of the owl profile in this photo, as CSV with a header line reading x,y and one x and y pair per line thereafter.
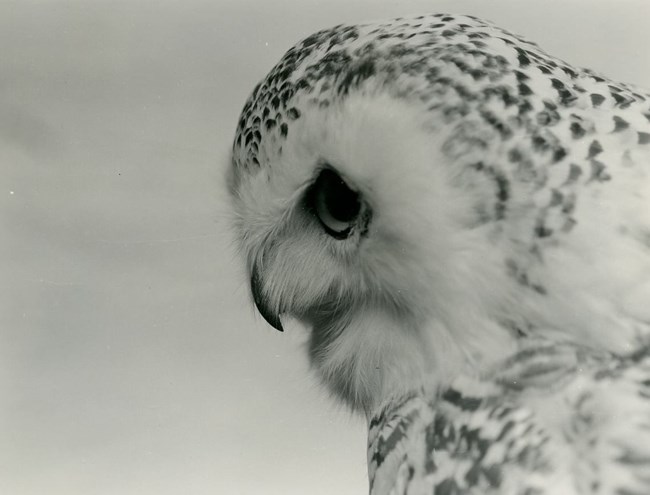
x,y
427,196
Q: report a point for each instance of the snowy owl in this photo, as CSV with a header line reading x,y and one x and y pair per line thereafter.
x,y
461,223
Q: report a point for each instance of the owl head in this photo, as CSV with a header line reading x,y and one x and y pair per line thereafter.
x,y
361,212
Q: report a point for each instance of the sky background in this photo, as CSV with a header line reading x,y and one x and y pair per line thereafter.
x,y
131,360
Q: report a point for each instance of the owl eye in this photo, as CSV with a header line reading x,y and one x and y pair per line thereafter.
x,y
335,205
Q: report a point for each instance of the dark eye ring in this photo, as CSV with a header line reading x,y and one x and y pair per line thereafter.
x,y
336,206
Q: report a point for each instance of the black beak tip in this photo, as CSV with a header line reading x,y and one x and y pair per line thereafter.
x,y
262,303
274,321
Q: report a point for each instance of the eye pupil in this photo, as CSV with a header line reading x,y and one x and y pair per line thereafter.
x,y
341,202
336,206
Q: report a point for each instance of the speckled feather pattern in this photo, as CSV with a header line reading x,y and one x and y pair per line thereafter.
x,y
555,419
461,63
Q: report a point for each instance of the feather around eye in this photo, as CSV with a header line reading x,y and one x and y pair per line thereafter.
x,y
336,206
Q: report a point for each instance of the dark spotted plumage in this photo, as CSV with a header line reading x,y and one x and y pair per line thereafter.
x,y
553,419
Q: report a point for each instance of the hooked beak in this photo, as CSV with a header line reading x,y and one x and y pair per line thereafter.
x,y
262,303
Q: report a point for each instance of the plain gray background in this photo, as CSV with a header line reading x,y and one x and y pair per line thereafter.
x,y
131,361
